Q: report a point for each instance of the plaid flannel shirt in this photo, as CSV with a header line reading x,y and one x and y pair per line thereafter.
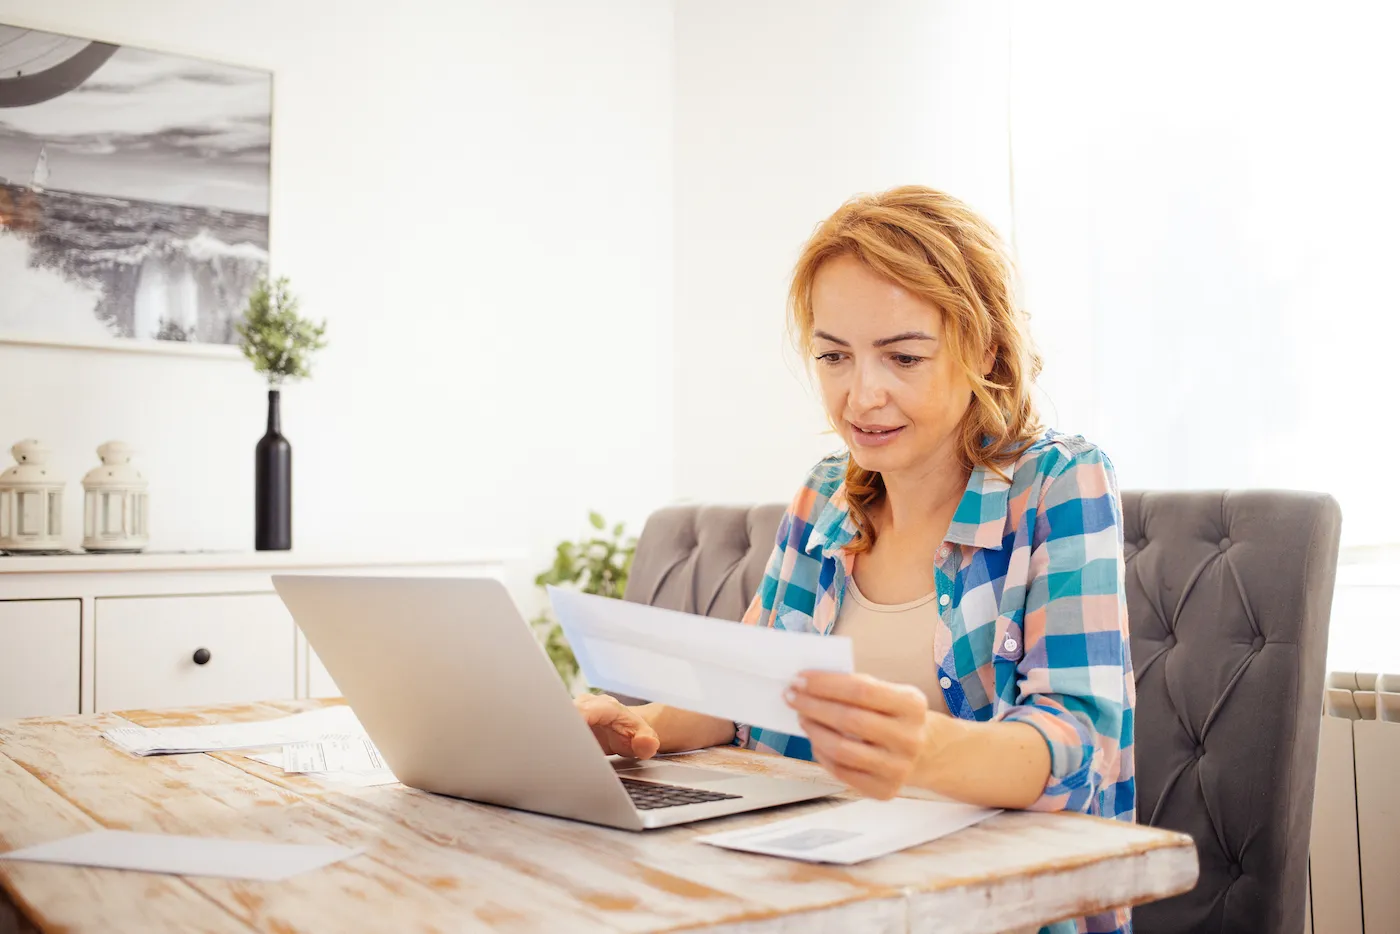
x,y
1033,609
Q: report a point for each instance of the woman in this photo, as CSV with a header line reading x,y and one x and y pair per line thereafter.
x,y
974,558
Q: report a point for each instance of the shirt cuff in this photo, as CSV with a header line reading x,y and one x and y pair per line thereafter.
x,y
1072,784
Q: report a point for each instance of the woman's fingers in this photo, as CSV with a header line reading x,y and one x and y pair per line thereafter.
x,y
866,732
879,783
599,709
853,754
865,725
618,728
643,744
868,785
860,690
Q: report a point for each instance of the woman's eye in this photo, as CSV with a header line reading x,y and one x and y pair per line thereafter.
x,y
830,356
904,359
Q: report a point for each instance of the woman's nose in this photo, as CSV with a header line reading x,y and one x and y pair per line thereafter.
x,y
867,390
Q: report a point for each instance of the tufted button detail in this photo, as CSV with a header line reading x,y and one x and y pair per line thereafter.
x,y
1258,643
1224,544
1235,870
1142,543
1171,640
1200,751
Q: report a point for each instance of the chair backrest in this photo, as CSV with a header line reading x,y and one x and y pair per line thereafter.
x,y
1228,603
703,559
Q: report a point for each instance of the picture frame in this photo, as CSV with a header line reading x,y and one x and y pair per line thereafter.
x,y
134,195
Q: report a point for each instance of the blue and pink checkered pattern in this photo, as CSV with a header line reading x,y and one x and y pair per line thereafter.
x,y
1036,626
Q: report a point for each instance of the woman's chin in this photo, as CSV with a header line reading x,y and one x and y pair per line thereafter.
x,y
876,460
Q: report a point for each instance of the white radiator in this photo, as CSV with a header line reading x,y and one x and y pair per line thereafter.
x,y
1354,863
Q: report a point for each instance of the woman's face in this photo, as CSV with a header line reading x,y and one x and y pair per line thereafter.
x,y
890,385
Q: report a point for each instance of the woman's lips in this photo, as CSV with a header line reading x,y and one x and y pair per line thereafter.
x,y
871,438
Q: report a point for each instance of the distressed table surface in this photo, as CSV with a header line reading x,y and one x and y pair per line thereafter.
x,y
437,864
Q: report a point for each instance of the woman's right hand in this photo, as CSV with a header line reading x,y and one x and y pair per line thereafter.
x,y
619,729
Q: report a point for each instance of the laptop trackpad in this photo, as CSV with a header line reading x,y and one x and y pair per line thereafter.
x,y
671,773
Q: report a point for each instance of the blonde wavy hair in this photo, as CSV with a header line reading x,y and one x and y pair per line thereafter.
x,y
939,249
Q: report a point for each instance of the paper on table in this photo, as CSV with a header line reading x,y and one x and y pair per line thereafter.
x,y
852,833
370,779
367,779
302,727
184,856
693,662
332,754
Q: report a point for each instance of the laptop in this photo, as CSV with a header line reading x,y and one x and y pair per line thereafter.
x,y
451,685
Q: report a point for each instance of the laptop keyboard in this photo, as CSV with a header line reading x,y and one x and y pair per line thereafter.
x,y
648,796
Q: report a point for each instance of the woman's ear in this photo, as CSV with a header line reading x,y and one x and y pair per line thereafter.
x,y
989,360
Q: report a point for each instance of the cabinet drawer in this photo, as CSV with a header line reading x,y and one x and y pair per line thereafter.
x,y
146,649
39,657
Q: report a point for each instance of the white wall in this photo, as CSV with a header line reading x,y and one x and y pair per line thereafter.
x,y
781,116
477,196
1202,223
1207,217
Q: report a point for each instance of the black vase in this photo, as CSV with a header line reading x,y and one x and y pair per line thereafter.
x,y
274,482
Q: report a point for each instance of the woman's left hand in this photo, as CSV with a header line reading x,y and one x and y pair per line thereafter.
x,y
866,732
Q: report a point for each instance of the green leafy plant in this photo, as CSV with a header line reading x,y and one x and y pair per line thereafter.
x,y
272,335
598,564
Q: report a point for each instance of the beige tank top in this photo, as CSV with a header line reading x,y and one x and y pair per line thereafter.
x,y
894,642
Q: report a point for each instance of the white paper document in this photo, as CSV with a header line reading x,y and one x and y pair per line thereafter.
x,y
332,754
707,665
853,833
368,778
184,856
298,728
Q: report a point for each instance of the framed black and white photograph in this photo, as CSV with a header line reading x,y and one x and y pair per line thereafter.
x,y
134,189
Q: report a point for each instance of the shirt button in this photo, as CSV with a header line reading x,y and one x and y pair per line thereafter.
x,y
944,600
943,552
1009,645
945,682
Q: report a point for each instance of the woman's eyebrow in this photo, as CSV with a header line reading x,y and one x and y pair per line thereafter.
x,y
905,336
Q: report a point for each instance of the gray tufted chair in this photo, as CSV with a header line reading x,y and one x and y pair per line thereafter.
x,y
1228,602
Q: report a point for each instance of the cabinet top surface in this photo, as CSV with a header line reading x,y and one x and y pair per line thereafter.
x,y
83,563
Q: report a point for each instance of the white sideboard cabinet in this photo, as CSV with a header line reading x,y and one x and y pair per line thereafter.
x,y
91,633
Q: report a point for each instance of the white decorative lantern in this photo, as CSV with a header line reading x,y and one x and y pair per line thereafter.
x,y
31,502
116,513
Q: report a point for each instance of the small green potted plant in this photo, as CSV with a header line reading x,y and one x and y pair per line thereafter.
x,y
280,343
598,564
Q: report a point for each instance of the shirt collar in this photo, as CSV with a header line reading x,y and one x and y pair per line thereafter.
x,y
834,527
980,519
981,516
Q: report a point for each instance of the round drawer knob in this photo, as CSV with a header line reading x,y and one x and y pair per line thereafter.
x,y
201,656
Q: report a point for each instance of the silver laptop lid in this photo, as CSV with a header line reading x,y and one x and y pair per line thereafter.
x,y
453,688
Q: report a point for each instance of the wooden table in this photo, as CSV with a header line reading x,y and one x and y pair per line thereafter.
x,y
437,864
